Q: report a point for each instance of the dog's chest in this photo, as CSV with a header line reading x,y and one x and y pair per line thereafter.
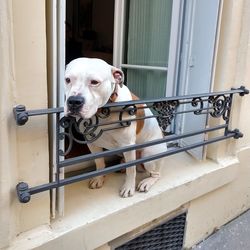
x,y
106,140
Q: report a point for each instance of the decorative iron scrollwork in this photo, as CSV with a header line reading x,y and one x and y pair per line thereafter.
x,y
103,112
195,102
131,110
80,131
165,110
221,106
84,131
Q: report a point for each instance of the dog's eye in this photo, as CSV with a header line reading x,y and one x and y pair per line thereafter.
x,y
94,82
67,80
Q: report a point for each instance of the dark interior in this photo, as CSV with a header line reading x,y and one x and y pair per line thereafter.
x,y
89,33
89,29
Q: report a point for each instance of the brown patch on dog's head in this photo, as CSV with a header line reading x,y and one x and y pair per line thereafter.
x,y
139,114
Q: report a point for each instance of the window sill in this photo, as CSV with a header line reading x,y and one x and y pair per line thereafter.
x,y
95,217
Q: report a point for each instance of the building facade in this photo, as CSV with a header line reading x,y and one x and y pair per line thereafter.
x,y
213,191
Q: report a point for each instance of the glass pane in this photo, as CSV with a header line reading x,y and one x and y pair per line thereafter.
x,y
148,32
147,84
147,43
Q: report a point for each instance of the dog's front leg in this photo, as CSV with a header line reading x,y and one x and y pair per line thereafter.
x,y
128,189
97,182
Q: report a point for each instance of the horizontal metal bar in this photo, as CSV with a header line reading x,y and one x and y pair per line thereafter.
x,y
192,111
44,187
88,157
48,111
147,117
190,101
144,67
141,160
121,121
242,91
118,167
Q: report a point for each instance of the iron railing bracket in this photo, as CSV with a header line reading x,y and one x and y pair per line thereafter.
x,y
244,90
21,115
23,193
237,133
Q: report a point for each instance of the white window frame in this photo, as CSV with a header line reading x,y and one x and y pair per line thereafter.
x,y
56,10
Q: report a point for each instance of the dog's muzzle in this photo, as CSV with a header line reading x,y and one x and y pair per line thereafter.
x,y
75,103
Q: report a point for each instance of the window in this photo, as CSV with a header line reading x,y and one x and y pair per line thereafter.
x,y
157,44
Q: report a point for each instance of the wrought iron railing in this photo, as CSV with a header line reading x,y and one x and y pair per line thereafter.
x,y
216,105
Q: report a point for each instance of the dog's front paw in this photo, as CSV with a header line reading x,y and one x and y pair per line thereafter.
x,y
146,184
127,190
96,182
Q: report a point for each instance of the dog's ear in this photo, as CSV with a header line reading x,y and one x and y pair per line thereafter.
x,y
118,76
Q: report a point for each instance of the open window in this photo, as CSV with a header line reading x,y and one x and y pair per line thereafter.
x,y
158,44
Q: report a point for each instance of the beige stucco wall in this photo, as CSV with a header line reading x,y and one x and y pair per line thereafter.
x,y
31,87
24,150
211,211
24,153
8,163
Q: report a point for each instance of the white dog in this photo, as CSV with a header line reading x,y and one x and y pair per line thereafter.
x,y
89,85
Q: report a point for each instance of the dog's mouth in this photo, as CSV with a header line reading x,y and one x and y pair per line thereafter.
x,y
82,113
73,113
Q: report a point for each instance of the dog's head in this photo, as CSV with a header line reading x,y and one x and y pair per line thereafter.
x,y
89,83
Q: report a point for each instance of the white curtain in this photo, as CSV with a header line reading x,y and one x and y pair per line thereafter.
x,y
148,34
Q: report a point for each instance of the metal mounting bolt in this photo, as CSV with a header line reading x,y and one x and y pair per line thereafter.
x,y
237,133
22,192
21,114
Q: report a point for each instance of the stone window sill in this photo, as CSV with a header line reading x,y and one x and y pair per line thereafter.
x,y
95,217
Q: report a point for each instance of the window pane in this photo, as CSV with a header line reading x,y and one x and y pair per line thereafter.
x,y
147,43
147,84
148,32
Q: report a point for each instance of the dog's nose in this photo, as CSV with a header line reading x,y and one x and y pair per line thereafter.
x,y
75,103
